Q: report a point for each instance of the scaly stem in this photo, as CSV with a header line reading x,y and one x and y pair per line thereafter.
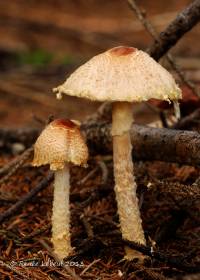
x,y
125,185
61,213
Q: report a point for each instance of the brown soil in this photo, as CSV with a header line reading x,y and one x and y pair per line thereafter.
x,y
170,214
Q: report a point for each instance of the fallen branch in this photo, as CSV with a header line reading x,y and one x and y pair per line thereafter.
x,y
184,22
26,198
174,261
149,143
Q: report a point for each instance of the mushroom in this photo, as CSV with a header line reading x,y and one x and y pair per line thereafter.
x,y
122,75
60,144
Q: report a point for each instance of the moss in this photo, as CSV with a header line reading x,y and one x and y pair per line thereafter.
x,y
40,58
67,59
36,58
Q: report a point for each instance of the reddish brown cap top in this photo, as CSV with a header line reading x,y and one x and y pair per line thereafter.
x,y
60,142
122,50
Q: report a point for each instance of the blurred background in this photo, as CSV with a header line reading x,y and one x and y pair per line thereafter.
x,y
41,42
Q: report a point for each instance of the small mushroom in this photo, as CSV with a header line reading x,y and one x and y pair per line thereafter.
x,y
123,75
60,144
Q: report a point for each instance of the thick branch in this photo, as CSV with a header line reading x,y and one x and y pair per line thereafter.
x,y
184,22
177,262
148,143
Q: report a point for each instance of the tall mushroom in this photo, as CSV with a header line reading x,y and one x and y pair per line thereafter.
x,y
60,144
122,75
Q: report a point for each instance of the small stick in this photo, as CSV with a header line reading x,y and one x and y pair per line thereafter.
x,y
7,197
185,123
36,232
88,176
89,266
151,272
96,217
149,27
9,165
26,198
56,258
104,170
13,162
182,75
184,22
14,165
87,226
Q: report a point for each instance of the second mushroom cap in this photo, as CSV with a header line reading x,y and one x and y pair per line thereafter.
x,y
59,143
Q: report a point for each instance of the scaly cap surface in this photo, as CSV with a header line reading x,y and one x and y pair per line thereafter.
x,y
60,142
121,74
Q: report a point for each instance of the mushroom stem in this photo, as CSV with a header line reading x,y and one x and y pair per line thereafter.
x,y
177,109
125,185
61,213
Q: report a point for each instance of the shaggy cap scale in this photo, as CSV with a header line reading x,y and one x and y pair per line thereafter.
x,y
60,142
121,74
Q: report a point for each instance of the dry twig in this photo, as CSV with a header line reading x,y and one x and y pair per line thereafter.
x,y
89,266
88,176
149,272
186,122
26,198
184,22
104,170
149,27
36,232
87,226
14,165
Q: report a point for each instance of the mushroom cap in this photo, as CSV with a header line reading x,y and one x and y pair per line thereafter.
x,y
60,142
121,74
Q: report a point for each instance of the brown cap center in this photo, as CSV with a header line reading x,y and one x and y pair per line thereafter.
x,y
64,123
122,50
